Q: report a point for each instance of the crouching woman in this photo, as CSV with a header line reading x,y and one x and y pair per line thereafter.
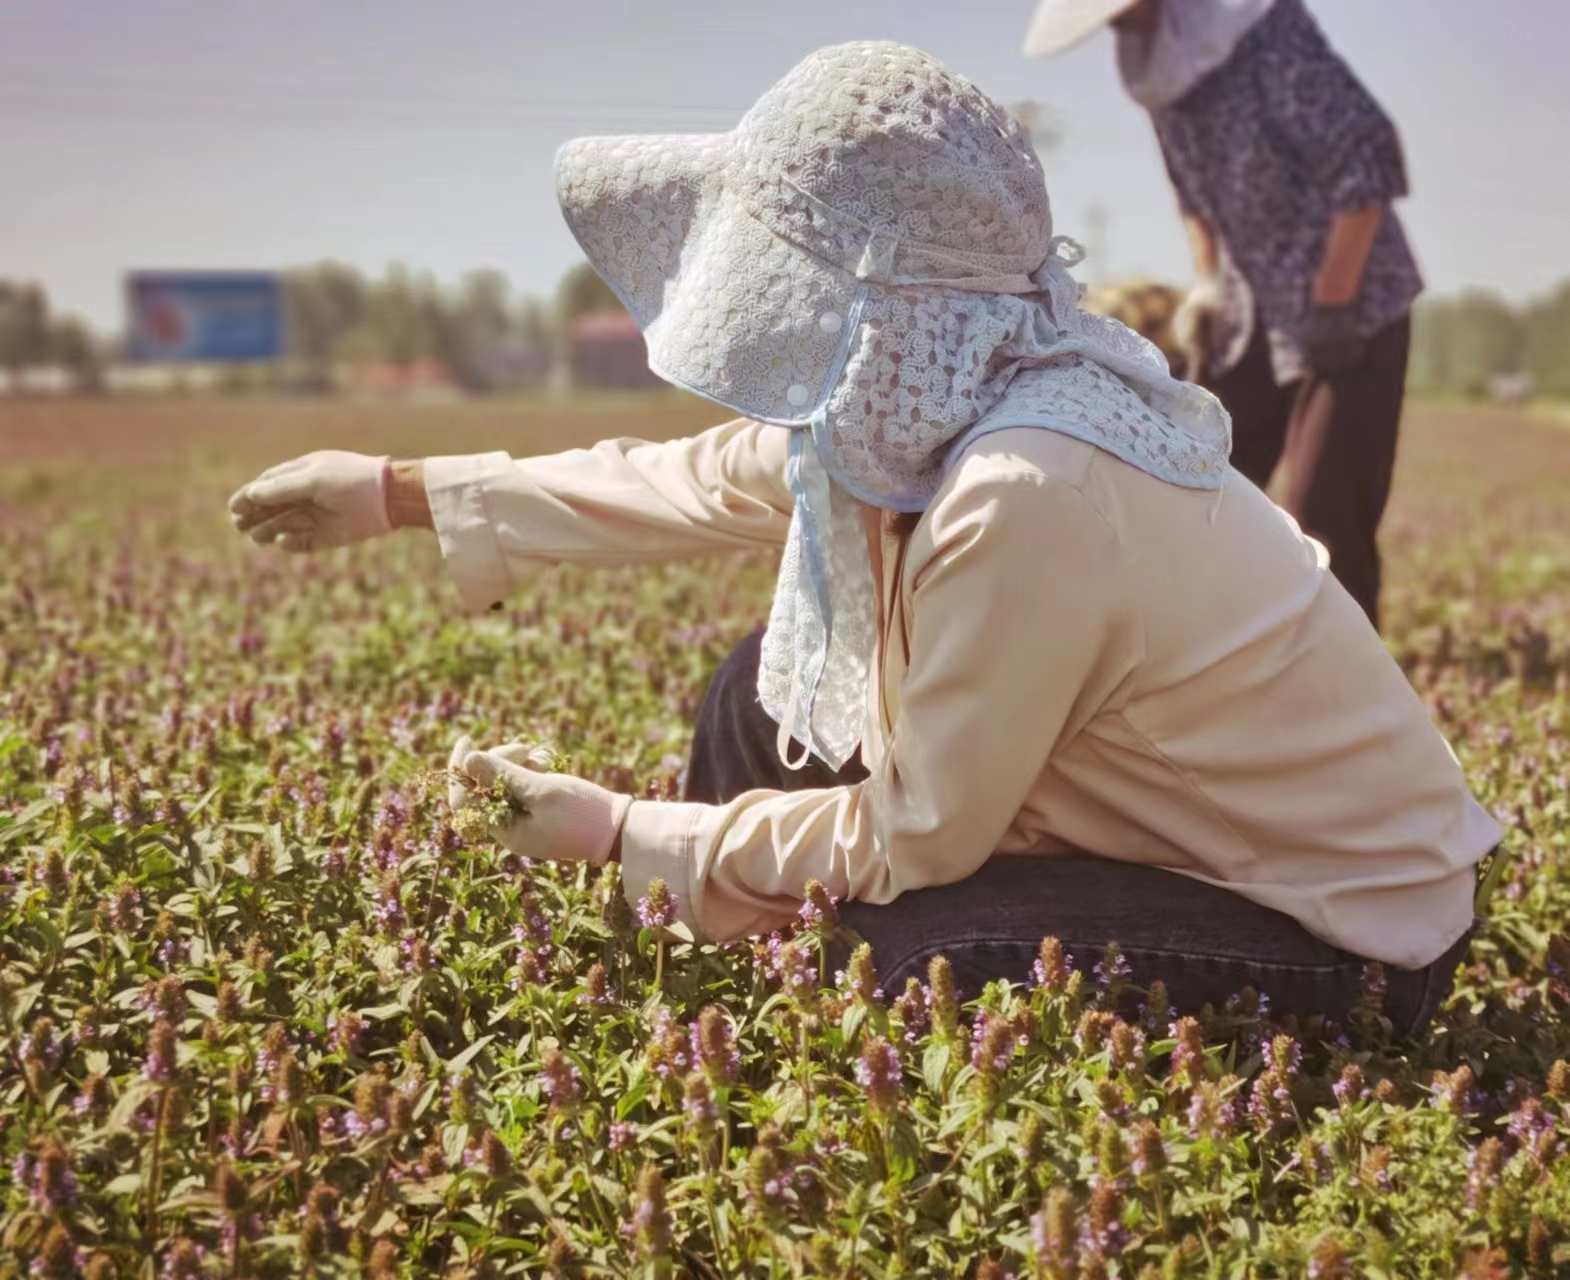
x,y
1038,662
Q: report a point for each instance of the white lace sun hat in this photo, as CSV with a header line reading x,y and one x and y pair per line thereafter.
x,y
743,254
868,256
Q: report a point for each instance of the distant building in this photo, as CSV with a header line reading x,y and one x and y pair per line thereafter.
x,y
605,349
418,378
1512,389
162,379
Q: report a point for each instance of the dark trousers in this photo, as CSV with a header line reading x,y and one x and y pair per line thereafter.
x,y
1335,441
1204,942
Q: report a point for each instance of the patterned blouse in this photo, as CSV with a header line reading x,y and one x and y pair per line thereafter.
x,y
1266,149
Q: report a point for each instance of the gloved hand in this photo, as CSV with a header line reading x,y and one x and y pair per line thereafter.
x,y
1329,338
1194,322
554,815
325,499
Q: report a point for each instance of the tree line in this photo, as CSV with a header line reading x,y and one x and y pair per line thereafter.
x,y
487,337
1463,345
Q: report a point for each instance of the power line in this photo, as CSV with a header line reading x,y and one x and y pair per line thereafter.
x,y
47,94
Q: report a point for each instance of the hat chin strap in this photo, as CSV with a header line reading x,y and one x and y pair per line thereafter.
x,y
787,730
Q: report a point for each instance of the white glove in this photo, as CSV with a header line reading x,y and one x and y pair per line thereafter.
x,y
325,499
1193,323
556,815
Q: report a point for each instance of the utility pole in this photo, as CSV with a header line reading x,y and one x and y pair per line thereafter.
x,y
1096,222
1041,124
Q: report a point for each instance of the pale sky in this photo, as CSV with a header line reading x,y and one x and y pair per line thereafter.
x,y
216,134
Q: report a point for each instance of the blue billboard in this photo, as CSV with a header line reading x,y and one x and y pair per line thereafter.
x,y
179,316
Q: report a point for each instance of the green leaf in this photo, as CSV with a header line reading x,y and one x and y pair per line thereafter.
x,y
455,1141
136,1093
381,1012
851,1023
935,1066
469,1054
422,1191
636,1091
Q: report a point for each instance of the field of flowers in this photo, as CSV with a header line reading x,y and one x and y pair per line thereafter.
x,y
263,1012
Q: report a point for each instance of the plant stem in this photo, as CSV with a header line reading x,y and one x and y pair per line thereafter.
x,y
153,1173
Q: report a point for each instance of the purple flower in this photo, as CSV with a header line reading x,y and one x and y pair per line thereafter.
x,y
160,1065
1113,968
394,811
622,1136
1351,1088
165,999
819,912
1103,1231
698,1103
125,908
186,1260
416,954
1113,1099
992,1042
357,1127
1285,1055
1127,1048
1532,1128
879,1072
1209,1113
41,1045
1053,1234
713,1048
670,1051
1454,1092
533,928
1376,1170
387,905
234,1227
1150,1151
910,1007
173,952
1270,1103
657,908
345,1031
651,1224
1483,1171
559,1080
789,963
1188,1054
596,988
1053,965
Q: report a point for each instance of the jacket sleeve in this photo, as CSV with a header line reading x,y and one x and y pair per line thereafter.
x,y
1018,633
620,502
1345,141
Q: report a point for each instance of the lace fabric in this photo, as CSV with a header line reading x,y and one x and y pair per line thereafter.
x,y
869,256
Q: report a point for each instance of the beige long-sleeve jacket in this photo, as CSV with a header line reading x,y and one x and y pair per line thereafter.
x,y
1074,655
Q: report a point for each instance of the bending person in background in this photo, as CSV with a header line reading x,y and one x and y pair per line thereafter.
x,y
1285,168
1039,662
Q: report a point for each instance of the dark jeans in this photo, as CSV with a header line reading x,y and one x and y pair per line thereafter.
x,y
1205,943
1335,440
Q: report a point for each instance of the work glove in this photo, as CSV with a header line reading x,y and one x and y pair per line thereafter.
x,y
544,814
1329,338
325,499
1193,324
